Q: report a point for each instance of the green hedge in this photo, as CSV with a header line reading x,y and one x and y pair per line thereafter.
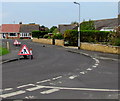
x,y
71,36
94,36
39,34
57,36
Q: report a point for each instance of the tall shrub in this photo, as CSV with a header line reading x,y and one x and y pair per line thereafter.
x,y
86,36
71,36
39,34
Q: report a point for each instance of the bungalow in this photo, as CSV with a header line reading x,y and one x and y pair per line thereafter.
x,y
63,27
17,31
102,25
106,24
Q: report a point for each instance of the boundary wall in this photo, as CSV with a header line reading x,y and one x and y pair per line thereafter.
x,y
84,46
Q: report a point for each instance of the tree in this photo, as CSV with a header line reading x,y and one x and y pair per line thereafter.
x,y
87,25
42,28
74,22
52,29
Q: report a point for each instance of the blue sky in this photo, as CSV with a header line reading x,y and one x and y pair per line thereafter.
x,y
54,13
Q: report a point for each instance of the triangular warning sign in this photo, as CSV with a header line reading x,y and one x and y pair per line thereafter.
x,y
15,42
24,51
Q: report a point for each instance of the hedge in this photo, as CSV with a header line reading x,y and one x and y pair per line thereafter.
x,y
71,36
39,34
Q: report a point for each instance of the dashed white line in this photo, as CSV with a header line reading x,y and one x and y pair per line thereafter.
x,y
25,85
72,77
50,91
7,89
89,69
82,72
57,78
12,94
94,66
44,81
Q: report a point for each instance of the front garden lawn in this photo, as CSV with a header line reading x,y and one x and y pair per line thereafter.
x,y
3,51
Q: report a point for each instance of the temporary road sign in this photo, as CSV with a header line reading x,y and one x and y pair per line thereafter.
x,y
24,51
16,42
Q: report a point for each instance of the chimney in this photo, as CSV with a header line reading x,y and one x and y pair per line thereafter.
x,y
20,22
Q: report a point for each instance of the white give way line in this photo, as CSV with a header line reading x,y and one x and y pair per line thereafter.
x,y
54,89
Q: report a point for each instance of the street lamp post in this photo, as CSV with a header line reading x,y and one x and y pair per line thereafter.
x,y
79,26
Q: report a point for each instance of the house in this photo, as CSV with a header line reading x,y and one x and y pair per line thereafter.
x,y
17,31
10,30
106,24
26,29
63,27
107,29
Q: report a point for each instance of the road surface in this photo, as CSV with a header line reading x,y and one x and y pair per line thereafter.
x,y
56,73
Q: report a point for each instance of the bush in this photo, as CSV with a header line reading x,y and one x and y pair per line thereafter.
x,y
87,25
71,37
57,36
86,36
39,34
36,34
116,42
46,36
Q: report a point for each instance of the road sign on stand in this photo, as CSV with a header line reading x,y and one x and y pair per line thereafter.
x,y
24,51
17,43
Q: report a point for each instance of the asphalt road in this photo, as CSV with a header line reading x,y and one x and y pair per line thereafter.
x,y
56,73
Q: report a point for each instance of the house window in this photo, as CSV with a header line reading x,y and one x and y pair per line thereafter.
x,y
12,34
24,35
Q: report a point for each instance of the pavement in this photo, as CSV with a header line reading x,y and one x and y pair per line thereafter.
x,y
12,56
99,55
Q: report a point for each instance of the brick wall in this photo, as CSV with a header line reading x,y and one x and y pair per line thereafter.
x,y
85,46
41,40
59,42
100,48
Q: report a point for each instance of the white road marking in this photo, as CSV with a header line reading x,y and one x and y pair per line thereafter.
x,y
7,89
35,88
82,72
44,81
94,66
57,78
97,61
29,97
85,54
50,91
84,89
89,69
12,94
94,58
72,77
54,89
25,85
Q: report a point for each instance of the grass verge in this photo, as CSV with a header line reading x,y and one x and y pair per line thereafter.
x,y
3,51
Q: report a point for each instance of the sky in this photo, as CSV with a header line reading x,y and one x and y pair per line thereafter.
x,y
54,13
